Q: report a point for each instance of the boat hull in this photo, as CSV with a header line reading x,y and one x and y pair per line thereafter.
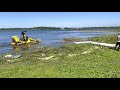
x,y
24,43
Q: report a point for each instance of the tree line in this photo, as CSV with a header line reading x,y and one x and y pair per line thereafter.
x,y
57,28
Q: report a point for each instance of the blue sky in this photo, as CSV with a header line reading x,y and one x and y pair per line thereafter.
x,y
58,19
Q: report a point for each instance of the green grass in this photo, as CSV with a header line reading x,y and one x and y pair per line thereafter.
x,y
117,30
112,38
69,61
72,39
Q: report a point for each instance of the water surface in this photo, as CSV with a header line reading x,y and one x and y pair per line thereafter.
x,y
48,37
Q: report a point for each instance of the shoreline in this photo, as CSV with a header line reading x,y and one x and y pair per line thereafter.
x,y
69,40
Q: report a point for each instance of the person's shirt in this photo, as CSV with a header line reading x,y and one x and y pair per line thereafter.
x,y
118,38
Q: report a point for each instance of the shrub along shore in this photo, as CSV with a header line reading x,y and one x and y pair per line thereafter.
x,y
68,61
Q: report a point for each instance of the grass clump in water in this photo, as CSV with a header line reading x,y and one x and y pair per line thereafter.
x,y
72,39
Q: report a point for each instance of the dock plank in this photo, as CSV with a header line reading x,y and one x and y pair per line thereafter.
x,y
96,43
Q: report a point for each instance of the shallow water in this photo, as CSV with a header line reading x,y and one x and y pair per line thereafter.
x,y
48,38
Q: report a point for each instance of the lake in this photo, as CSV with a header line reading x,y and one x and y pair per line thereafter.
x,y
48,37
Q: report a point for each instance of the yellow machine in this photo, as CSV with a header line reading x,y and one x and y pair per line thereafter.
x,y
17,41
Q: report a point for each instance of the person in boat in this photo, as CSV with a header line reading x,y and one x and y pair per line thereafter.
x,y
24,37
118,42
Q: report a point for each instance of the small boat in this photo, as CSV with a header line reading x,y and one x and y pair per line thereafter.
x,y
17,41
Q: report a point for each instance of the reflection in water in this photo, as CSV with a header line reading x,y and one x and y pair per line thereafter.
x,y
28,46
21,48
16,49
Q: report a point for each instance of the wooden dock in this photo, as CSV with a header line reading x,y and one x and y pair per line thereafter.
x,y
96,43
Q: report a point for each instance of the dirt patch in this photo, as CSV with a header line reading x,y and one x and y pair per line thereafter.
x,y
96,47
88,51
46,58
71,55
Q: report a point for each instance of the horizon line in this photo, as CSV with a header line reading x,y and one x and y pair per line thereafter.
x,y
61,27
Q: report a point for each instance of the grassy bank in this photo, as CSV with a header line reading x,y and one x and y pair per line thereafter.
x,y
69,61
105,38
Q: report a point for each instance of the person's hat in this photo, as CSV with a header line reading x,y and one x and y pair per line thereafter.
x,y
23,32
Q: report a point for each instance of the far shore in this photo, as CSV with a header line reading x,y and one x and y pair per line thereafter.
x,y
82,30
85,29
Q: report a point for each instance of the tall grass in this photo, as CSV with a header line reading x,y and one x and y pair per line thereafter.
x,y
105,38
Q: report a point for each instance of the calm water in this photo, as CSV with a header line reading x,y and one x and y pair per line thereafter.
x,y
48,37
